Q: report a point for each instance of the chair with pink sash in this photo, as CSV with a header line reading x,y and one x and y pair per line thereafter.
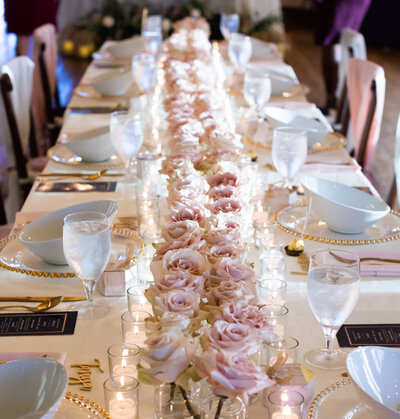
x,y
394,194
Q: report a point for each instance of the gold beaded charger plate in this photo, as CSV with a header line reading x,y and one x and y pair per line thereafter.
x,y
14,256
61,154
74,406
338,401
291,220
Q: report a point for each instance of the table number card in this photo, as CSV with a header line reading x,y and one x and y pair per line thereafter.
x,y
31,324
354,335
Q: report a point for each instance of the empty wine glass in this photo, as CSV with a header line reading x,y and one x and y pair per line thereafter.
x,y
239,51
126,134
152,33
144,68
87,248
333,288
256,89
289,151
229,24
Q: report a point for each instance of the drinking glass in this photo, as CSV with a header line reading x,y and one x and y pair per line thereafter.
x,y
256,89
239,51
87,248
333,288
289,151
126,133
144,68
229,24
152,33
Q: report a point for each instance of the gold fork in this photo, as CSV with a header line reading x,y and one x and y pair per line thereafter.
x,y
86,176
364,259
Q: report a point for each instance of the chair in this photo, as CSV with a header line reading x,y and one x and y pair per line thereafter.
x,y
45,101
16,128
352,45
366,93
393,199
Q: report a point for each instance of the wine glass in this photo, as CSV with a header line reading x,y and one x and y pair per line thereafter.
x,y
256,89
87,248
239,51
126,132
289,151
333,288
152,33
144,71
229,24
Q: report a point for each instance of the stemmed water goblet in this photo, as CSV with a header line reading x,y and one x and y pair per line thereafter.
x,y
144,68
239,51
152,33
126,133
333,288
229,24
256,89
87,248
289,151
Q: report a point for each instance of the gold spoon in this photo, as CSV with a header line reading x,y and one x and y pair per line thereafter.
x,y
45,305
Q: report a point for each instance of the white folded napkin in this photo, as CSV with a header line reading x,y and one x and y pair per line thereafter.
x,y
326,162
377,267
14,356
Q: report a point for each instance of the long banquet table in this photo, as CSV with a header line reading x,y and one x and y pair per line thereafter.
x,y
378,303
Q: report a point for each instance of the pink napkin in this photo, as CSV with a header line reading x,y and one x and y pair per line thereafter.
x,y
14,356
379,268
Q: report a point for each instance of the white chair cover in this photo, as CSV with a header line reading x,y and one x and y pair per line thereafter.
x,y
20,71
349,39
397,159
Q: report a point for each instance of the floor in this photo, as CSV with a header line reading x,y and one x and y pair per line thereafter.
x,y
304,56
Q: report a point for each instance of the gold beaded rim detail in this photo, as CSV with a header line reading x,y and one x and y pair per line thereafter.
x,y
118,230
84,402
323,394
336,241
83,165
341,144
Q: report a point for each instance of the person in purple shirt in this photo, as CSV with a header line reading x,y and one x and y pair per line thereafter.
x,y
332,17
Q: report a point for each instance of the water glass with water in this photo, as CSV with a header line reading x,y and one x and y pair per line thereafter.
x,y
144,69
229,24
256,89
239,51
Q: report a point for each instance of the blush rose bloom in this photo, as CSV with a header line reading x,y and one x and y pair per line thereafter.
x,y
226,205
241,312
176,281
232,337
167,355
184,260
232,269
231,374
177,301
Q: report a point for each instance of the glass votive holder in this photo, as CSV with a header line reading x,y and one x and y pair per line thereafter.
x,y
123,360
134,328
273,265
121,394
272,291
286,350
285,404
148,165
277,317
136,299
231,408
265,235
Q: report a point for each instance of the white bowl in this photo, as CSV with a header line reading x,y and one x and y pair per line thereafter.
x,y
316,129
113,82
31,388
126,48
345,209
376,372
93,145
44,236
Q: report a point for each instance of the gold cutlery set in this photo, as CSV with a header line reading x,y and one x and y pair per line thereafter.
x,y
46,303
86,176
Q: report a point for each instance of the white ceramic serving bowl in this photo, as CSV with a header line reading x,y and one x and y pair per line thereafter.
x,y
127,47
31,388
44,236
316,129
113,82
93,145
376,372
346,210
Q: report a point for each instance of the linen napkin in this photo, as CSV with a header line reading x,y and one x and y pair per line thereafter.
x,y
379,268
327,162
14,356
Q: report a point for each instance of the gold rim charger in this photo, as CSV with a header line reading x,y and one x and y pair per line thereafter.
x,y
75,406
339,400
14,256
291,220
61,154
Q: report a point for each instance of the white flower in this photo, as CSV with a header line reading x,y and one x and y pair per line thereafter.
x,y
108,21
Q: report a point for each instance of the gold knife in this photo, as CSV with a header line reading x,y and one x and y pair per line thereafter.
x,y
39,299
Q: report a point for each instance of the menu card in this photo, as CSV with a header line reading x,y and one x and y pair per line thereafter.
x,y
354,335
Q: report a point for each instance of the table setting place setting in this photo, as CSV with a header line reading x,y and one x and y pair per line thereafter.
x,y
231,261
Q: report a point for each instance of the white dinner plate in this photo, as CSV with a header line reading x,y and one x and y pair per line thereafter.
x,y
89,92
60,153
14,255
74,406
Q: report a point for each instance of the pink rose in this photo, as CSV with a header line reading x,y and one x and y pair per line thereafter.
x,y
232,269
177,301
232,374
241,312
166,356
189,211
220,237
226,249
222,192
227,178
184,260
228,290
232,337
179,229
226,205
176,281
193,242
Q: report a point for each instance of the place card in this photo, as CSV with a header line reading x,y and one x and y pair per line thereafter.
x,y
354,335
76,187
31,324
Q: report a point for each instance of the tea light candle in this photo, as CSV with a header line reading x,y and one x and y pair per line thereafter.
x,y
125,369
122,408
134,337
285,414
